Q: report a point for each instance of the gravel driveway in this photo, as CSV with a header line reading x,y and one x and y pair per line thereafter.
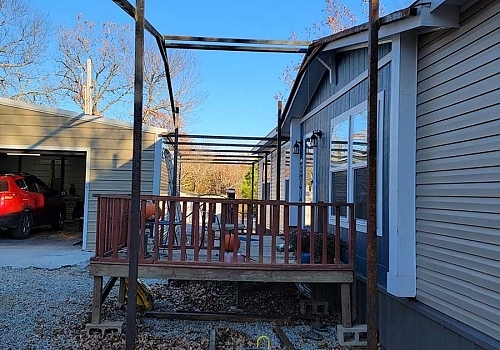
x,y
47,308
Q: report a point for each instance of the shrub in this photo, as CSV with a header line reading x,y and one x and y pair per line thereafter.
x,y
318,244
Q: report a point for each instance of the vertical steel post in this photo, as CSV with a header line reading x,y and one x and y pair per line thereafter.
x,y
176,149
136,177
266,195
371,239
278,154
253,180
179,175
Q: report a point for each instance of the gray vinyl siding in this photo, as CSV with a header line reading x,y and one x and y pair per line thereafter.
x,y
109,149
458,169
351,64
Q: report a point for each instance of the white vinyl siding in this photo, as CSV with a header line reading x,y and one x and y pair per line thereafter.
x,y
458,169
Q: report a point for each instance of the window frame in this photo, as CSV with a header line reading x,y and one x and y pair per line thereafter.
x,y
350,167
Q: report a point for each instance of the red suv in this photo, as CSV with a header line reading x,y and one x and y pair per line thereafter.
x,y
25,201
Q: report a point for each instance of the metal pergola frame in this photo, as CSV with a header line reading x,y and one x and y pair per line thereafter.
x,y
224,150
250,45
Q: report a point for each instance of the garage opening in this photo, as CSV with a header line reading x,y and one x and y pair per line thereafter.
x,y
61,171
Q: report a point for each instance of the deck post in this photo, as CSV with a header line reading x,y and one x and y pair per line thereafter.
x,y
121,292
345,299
238,296
96,300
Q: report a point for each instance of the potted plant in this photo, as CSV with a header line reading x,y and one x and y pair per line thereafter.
x,y
305,240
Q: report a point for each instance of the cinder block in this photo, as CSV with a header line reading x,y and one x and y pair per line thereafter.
x,y
355,335
105,326
314,307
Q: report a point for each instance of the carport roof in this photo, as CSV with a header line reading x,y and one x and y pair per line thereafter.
x,y
76,115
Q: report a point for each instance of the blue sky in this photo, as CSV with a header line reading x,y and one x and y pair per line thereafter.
x,y
240,86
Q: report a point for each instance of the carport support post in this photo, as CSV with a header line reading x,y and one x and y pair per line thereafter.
x,y
133,250
371,215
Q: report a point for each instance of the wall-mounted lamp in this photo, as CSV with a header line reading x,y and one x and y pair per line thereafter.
x,y
296,147
313,140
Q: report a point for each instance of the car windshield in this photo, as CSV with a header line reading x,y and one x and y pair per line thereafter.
x,y
4,186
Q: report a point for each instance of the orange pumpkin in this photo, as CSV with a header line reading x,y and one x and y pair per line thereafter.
x,y
150,209
231,242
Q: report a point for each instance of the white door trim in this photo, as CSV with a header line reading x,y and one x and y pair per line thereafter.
x,y
87,176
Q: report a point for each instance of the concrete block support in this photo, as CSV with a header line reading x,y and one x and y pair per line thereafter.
x,y
352,336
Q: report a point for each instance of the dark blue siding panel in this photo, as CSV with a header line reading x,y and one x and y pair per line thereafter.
x,y
410,325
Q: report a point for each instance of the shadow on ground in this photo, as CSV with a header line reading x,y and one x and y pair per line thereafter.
x,y
44,248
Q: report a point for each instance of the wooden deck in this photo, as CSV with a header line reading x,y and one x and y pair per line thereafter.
x,y
182,240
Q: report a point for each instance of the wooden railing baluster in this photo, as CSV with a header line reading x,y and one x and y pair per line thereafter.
x,y
183,231
352,235
274,231
195,230
312,236
298,253
211,238
286,232
337,234
156,232
116,227
249,232
235,221
324,229
171,230
142,227
261,228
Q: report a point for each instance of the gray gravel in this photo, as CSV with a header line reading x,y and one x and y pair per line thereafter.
x,y
35,303
47,309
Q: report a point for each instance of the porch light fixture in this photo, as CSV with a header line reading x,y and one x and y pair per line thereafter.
x,y
313,140
296,147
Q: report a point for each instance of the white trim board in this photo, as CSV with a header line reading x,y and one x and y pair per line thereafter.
x,y
381,63
87,177
425,18
401,278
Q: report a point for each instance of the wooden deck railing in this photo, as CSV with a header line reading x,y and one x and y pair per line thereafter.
x,y
192,230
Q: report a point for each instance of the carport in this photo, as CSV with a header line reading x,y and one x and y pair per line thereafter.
x,y
62,170
78,155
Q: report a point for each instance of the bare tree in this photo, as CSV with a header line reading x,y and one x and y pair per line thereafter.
x,y
185,79
212,179
24,37
108,45
336,17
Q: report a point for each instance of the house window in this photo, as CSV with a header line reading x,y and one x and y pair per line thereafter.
x,y
348,164
348,161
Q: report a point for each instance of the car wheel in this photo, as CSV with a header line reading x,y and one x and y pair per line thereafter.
x,y
23,231
58,224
